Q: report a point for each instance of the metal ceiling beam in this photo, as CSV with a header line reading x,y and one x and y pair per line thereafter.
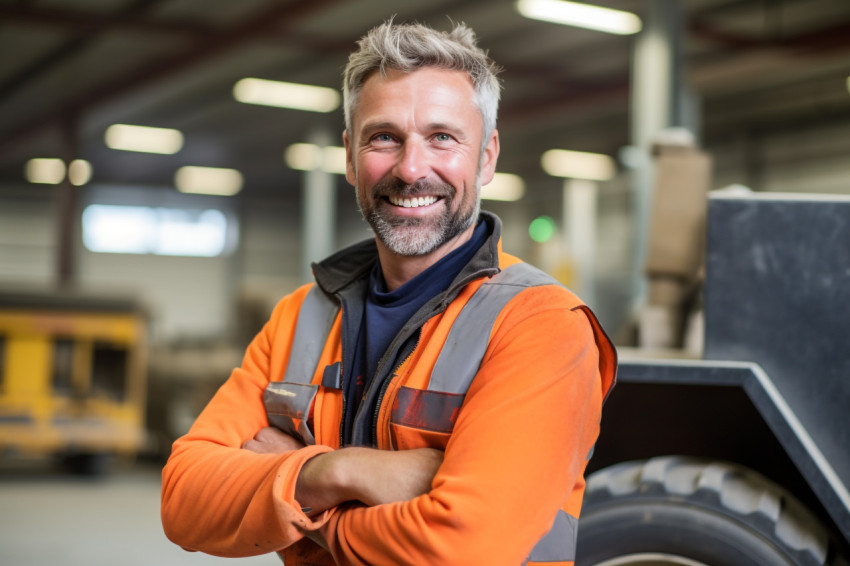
x,y
833,38
88,28
90,23
207,47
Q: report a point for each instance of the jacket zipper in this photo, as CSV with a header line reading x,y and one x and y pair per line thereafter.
x,y
342,348
386,383
440,306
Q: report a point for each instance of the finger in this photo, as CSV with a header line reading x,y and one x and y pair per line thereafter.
x,y
270,434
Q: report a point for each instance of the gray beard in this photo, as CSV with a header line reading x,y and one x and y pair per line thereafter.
x,y
416,236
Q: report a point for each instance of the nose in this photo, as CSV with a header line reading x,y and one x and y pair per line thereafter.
x,y
412,163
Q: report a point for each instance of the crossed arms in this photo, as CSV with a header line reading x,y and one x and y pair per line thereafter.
x,y
367,475
517,451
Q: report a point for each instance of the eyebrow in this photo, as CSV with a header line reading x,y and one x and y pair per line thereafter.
x,y
369,128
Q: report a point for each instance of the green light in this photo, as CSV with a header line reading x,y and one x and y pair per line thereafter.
x,y
541,229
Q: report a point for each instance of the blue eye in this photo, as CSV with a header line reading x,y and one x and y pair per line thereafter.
x,y
443,137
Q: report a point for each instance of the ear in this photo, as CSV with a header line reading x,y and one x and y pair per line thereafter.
x,y
489,157
350,174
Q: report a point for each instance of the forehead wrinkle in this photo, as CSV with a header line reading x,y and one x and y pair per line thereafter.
x,y
416,108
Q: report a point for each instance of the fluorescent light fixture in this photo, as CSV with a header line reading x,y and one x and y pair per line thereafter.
x,y
208,180
580,15
145,139
578,165
303,156
79,172
505,187
848,84
286,95
46,170
333,159
309,157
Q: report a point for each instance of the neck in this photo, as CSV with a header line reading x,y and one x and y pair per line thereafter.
x,y
398,269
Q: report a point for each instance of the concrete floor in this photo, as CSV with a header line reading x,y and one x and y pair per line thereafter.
x,y
47,517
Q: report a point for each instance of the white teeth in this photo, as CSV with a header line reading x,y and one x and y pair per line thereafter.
x,y
412,202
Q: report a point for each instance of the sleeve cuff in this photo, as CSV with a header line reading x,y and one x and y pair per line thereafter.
x,y
288,509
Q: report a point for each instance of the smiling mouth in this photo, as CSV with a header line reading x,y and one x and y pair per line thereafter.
x,y
412,202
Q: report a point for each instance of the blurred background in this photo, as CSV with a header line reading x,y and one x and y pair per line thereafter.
x,y
169,169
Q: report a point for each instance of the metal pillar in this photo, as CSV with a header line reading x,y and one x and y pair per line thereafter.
x,y
318,230
655,105
580,204
67,204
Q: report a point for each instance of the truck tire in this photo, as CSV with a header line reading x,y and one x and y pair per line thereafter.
x,y
680,511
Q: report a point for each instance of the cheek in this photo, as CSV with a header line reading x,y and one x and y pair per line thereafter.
x,y
460,172
373,168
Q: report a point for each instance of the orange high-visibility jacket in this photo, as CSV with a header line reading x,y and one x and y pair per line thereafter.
x,y
516,439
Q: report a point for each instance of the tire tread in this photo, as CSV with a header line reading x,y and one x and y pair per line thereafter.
x,y
731,489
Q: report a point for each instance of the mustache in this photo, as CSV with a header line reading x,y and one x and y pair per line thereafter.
x,y
396,187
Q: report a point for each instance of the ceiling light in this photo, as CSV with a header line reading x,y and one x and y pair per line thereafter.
x,y
580,15
286,95
46,170
79,172
578,165
143,138
505,187
303,156
309,157
208,180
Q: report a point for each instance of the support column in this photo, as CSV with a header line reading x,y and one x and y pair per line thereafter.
x,y
655,105
318,231
579,220
68,215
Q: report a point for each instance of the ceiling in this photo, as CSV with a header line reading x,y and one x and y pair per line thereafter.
x,y
70,68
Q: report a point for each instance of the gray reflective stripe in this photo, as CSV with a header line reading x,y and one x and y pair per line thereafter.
x,y
460,359
287,401
317,315
559,544
469,336
291,399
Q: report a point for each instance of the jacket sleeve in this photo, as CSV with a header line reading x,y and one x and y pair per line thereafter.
x,y
220,499
517,452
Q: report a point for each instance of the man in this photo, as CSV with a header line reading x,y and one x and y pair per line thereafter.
x,y
431,400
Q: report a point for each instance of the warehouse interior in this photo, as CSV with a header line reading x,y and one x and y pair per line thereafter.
x,y
754,93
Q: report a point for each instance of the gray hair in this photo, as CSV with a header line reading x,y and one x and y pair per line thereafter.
x,y
410,47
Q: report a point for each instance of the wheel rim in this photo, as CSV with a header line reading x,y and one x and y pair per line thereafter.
x,y
650,559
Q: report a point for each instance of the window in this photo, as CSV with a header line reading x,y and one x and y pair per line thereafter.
x,y
109,370
63,365
155,230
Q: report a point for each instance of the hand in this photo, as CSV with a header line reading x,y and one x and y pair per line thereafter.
x,y
370,476
382,476
271,440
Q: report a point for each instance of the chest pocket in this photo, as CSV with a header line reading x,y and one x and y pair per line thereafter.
x,y
426,417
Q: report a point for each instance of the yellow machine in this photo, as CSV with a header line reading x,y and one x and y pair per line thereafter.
x,y
72,378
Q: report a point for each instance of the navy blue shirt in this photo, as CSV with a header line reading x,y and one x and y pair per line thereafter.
x,y
386,312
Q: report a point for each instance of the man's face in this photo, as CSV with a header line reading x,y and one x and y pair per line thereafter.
x,y
415,158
